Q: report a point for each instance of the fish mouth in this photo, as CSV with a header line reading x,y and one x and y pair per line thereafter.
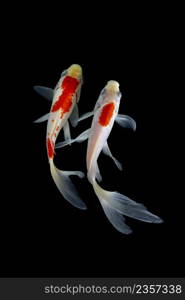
x,y
75,71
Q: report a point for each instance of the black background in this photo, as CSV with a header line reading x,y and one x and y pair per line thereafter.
x,y
41,233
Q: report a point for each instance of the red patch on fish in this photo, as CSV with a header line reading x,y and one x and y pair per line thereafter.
x,y
50,148
64,102
106,114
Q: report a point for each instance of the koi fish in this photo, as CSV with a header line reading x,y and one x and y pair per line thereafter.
x,y
64,99
114,204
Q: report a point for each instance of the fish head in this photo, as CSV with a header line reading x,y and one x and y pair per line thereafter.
x,y
112,89
75,71
111,92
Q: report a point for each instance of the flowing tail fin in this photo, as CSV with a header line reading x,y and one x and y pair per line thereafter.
x,y
65,185
115,205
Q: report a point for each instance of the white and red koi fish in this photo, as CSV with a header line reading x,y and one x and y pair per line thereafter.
x,y
64,99
114,204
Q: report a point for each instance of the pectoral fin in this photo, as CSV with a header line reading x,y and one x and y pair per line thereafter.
x,y
42,119
126,121
86,115
45,92
82,137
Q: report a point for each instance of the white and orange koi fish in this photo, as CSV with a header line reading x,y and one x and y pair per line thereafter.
x,y
64,99
114,204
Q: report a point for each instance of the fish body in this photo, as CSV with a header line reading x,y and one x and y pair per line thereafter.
x,y
64,99
114,204
105,113
66,96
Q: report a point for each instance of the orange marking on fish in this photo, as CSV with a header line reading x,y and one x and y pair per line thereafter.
x,y
52,120
64,102
50,148
106,114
